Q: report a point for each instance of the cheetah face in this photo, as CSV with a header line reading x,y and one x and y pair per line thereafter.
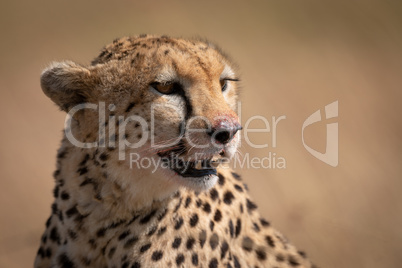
x,y
170,100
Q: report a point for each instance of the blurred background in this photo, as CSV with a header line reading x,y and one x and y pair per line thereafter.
x,y
295,57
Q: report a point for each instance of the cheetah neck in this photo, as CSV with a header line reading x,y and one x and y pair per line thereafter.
x,y
105,189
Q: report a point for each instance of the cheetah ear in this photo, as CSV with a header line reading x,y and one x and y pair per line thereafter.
x,y
67,84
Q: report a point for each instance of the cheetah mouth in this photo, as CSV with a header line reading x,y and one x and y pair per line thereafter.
x,y
190,169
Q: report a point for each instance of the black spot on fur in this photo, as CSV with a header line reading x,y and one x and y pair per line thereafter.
x,y
194,220
65,195
104,156
238,188
129,107
48,253
79,218
238,227
85,160
41,252
101,232
130,242
264,222
206,207
116,224
87,181
178,224
202,238
176,243
157,255
82,170
221,180
251,206
152,230
236,262
293,261
124,235
48,222
72,234
190,243
236,176
62,154
211,225
109,55
60,214
188,201
224,249
213,263
44,239
162,230
270,241
214,241
55,209
214,194
92,243
227,198
60,182
148,217
179,259
178,205
194,259
111,252
133,219
261,254
56,192
136,265
245,186
102,54
280,258
162,215
302,253
145,247
65,262
54,235
231,228
56,173
256,227
247,243
218,215
198,203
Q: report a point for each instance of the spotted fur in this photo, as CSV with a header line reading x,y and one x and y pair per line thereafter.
x,y
107,215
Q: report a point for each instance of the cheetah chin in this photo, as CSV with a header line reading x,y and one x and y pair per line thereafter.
x,y
198,174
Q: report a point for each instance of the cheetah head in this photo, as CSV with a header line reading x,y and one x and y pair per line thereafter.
x,y
171,101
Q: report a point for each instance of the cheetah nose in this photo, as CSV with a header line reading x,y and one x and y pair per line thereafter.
x,y
224,131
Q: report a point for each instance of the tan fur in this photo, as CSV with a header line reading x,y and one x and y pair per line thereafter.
x,y
106,214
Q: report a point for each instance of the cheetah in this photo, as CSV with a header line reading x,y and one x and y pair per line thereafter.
x,y
165,100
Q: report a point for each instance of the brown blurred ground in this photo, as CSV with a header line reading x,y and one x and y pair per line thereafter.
x,y
295,57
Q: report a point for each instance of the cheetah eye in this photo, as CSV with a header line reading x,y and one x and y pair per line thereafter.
x,y
165,88
224,84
